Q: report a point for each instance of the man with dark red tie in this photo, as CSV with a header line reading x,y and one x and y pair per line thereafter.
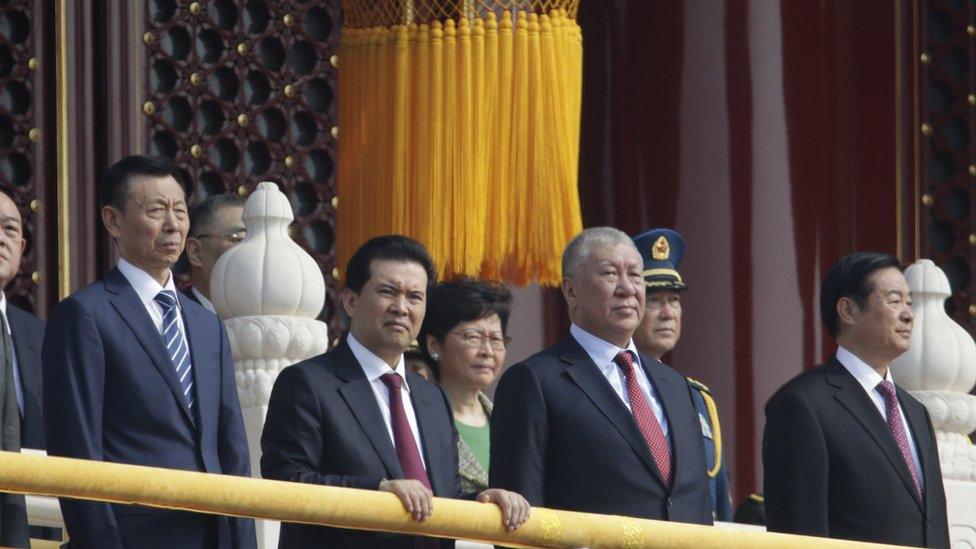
x,y
356,417
590,424
847,454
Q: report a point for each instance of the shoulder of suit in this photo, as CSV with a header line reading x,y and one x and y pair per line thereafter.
x,y
25,316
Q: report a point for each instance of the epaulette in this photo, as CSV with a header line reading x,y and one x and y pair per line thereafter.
x,y
699,385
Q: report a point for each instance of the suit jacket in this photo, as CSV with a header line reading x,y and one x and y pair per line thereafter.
x,y
111,394
562,438
27,332
832,467
324,427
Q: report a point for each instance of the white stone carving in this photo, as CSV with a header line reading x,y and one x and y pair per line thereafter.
x,y
942,356
267,273
939,369
269,292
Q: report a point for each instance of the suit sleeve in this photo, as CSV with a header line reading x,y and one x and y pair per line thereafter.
x,y
292,443
73,363
235,458
796,465
519,435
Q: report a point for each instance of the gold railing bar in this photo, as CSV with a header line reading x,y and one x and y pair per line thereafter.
x,y
365,509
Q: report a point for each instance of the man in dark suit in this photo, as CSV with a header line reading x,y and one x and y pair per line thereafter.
x,y
25,330
847,454
658,334
591,425
356,417
20,374
135,373
216,225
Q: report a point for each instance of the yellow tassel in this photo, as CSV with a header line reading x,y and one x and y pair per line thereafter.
x,y
462,133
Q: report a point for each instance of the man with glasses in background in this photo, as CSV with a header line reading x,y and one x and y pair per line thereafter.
x,y
216,225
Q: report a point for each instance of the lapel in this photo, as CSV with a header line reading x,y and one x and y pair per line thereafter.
x,y
26,349
591,381
359,396
919,426
128,305
852,397
202,342
423,407
670,398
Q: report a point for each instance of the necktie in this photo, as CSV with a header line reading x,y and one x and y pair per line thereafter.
x,y
646,422
176,347
13,508
893,412
406,446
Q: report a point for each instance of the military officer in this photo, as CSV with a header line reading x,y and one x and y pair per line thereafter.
x,y
662,250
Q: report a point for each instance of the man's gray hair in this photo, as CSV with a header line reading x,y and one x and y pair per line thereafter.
x,y
579,247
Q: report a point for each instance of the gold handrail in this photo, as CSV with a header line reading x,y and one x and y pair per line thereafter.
x,y
364,509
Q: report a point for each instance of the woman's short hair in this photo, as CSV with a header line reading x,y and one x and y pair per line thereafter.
x,y
464,300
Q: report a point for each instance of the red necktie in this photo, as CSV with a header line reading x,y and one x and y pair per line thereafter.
x,y
646,422
406,445
893,412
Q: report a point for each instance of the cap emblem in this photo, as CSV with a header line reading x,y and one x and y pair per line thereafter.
x,y
661,250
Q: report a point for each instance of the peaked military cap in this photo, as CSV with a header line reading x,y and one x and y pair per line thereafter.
x,y
662,251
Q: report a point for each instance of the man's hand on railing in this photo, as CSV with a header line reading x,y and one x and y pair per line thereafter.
x,y
515,508
417,499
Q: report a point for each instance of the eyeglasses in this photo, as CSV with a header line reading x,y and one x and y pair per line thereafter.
x,y
476,339
236,236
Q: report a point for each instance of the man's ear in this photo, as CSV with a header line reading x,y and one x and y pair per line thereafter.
x,y
349,299
110,218
193,251
569,292
847,311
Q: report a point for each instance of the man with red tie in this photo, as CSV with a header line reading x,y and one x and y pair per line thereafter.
x,y
846,453
356,417
590,424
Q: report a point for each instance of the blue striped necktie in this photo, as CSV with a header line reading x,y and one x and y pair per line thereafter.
x,y
176,347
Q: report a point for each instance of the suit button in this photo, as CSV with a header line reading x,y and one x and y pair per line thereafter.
x,y
670,502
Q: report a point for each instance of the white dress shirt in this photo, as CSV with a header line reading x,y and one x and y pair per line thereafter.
x,y
18,387
602,353
146,288
202,299
869,379
375,367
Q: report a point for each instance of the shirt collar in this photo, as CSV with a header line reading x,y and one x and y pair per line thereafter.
x,y
145,286
3,309
602,352
207,304
373,366
868,377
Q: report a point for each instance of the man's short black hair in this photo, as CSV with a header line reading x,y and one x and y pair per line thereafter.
x,y
392,247
849,278
464,300
202,215
114,187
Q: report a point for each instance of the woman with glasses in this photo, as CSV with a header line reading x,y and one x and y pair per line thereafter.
x,y
464,335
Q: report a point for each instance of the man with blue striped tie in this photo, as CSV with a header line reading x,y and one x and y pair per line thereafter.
x,y
140,374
